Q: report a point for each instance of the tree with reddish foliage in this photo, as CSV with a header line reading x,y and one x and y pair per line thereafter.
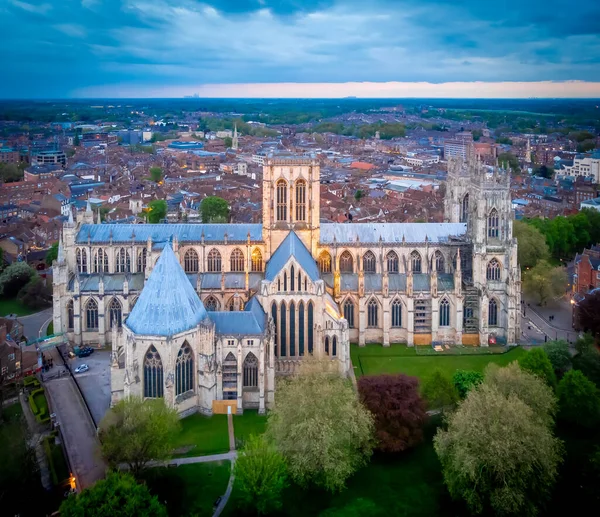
x,y
398,410
588,314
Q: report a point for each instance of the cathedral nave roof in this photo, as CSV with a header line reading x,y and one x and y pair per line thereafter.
x,y
351,233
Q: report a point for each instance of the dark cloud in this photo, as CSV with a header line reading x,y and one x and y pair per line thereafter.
x,y
57,48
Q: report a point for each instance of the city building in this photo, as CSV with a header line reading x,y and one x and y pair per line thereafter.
x,y
206,313
586,166
593,204
94,139
48,158
42,172
9,155
587,270
454,148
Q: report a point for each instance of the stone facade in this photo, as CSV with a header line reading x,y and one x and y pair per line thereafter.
x,y
316,286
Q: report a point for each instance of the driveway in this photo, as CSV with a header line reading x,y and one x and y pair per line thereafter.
x,y
95,383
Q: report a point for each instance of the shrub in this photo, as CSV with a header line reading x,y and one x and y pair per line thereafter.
x,y
579,400
536,361
464,380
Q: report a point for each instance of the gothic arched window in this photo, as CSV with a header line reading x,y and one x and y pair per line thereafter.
x,y
349,313
153,374
310,326
214,261
464,209
274,316
396,313
325,262
445,313
493,270
326,345
190,261
257,263
91,315
392,262
334,347
292,279
369,262
292,329
184,369
115,313
372,313
301,200
211,304
81,257
101,261
281,200
493,313
250,371
301,328
70,315
440,262
236,261
282,330
346,263
493,224
415,260
122,263
141,260
230,377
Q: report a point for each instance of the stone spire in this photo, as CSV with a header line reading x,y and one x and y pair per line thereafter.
x,y
234,140
60,256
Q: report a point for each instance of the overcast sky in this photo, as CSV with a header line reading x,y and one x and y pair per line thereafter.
x,y
164,48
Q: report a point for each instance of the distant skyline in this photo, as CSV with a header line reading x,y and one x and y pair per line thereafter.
x,y
299,48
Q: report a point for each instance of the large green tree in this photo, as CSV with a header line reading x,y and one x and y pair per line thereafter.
x,y
587,359
36,294
439,390
532,244
496,455
214,209
156,174
544,282
560,356
537,362
260,475
136,431
320,426
156,211
579,400
52,254
14,278
465,381
119,495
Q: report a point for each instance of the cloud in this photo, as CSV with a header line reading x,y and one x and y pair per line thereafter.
x,y
183,43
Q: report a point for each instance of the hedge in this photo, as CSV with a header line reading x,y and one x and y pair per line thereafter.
x,y
48,451
41,412
31,380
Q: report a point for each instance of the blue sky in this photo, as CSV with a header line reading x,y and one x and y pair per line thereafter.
x,y
167,48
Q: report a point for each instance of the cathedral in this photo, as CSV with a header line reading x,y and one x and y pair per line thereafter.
x,y
203,313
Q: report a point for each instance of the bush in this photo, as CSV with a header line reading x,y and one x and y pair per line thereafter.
x,y
464,380
559,355
32,405
537,362
439,390
579,400
30,380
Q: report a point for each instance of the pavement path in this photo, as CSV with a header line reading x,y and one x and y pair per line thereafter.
x,y
34,323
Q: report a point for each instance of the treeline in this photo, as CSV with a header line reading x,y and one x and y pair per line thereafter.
x,y
567,235
221,124
386,130
10,172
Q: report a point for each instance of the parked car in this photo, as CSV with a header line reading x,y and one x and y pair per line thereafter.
x,y
82,368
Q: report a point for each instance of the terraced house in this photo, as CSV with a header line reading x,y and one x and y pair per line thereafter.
x,y
201,313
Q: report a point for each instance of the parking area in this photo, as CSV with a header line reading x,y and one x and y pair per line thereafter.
x,y
95,383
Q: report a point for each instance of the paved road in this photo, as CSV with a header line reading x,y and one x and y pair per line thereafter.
x,y
95,383
33,323
78,431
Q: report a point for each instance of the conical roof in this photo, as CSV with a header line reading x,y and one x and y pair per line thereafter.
x,y
168,303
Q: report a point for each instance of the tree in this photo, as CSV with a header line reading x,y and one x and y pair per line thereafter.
x,y
214,209
588,313
510,160
14,278
155,174
532,390
136,431
532,244
439,390
398,410
544,281
358,195
465,380
36,294
496,455
260,475
228,141
587,359
156,211
10,172
559,355
544,171
536,361
52,254
579,400
119,495
320,427
359,507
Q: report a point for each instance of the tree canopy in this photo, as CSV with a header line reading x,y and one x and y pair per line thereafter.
x,y
465,380
579,400
320,427
544,282
537,362
14,278
559,355
397,408
439,390
136,431
260,475
214,209
157,211
587,359
496,455
119,495
36,294
156,174
52,254
532,244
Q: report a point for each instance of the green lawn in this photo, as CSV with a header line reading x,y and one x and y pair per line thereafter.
x,y
41,403
13,306
375,359
208,435
248,423
189,489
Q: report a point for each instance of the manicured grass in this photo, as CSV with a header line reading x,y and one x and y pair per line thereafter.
x,y
41,402
375,359
189,489
209,435
248,423
13,306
